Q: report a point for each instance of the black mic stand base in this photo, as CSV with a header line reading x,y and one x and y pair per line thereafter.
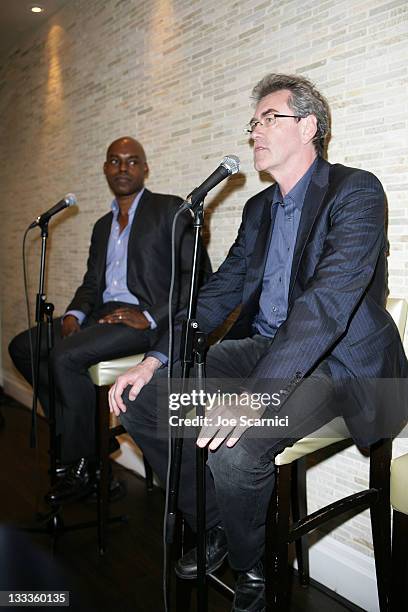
x,y
54,526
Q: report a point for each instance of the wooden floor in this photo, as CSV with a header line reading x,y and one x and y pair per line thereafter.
x,y
128,577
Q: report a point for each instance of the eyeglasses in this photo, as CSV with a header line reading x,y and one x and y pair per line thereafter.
x,y
268,121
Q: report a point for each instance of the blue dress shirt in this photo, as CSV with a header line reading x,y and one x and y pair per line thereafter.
x,y
273,303
116,289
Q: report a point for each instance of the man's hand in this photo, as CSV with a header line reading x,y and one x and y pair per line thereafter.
x,y
138,377
216,432
70,326
132,317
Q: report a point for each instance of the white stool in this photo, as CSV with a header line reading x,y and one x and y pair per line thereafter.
x,y
103,375
290,467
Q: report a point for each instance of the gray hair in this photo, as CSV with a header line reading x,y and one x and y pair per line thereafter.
x,y
304,99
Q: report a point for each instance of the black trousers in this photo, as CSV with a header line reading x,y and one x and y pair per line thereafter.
x,y
71,357
240,479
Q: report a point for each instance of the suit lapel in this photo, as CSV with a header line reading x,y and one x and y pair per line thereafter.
x,y
311,207
140,213
136,236
258,259
103,240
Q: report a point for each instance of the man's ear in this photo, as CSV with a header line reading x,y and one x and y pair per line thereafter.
x,y
104,168
308,128
146,170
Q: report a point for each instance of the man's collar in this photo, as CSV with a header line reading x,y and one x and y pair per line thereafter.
x,y
115,205
298,192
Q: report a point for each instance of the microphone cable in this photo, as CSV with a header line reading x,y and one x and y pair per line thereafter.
x,y
169,387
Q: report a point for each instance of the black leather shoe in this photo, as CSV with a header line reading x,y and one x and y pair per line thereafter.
x,y
61,469
186,567
76,484
250,591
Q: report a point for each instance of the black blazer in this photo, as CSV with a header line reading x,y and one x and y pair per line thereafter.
x,y
148,259
337,291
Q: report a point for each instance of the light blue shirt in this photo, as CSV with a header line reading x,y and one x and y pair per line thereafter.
x,y
116,289
273,303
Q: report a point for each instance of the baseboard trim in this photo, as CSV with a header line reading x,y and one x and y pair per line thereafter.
x,y
346,571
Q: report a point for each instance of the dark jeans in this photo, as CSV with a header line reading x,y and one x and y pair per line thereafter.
x,y
240,479
71,357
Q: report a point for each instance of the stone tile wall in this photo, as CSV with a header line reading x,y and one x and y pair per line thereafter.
x,y
177,75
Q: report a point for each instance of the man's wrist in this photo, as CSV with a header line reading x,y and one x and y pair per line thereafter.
x,y
152,362
78,314
158,355
152,322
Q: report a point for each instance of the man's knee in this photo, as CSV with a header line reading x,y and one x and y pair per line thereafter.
x,y
239,467
127,417
225,461
143,412
63,358
19,348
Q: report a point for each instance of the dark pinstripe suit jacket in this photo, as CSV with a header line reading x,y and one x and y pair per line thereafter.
x,y
337,291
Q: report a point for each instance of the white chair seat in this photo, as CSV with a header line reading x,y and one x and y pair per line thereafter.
x,y
398,309
106,372
399,484
337,430
329,434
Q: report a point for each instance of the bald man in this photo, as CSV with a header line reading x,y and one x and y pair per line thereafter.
x,y
120,309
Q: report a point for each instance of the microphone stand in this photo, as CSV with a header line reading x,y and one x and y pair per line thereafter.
x,y
44,309
54,524
192,351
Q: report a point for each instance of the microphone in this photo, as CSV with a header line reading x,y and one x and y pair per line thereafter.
x,y
229,165
69,200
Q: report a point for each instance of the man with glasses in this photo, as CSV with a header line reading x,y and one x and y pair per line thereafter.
x,y
308,269
120,308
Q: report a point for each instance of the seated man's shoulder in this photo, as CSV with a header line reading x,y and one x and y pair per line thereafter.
x,y
358,177
103,224
261,197
164,200
103,221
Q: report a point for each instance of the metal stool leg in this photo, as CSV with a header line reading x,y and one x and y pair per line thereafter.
x,y
299,511
103,485
148,474
380,462
277,537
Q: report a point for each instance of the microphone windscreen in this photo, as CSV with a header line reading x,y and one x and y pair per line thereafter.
x,y
70,199
231,163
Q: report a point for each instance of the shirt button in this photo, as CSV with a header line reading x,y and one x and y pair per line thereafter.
x,y
115,282
117,263
274,309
